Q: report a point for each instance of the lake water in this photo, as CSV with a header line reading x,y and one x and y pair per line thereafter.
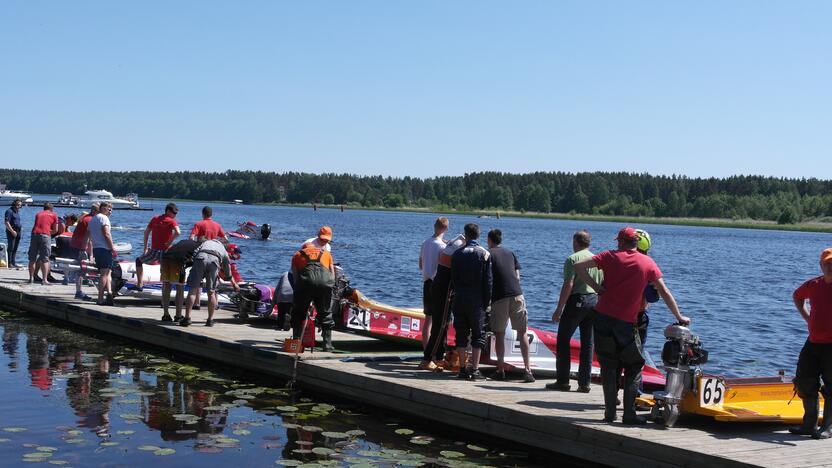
x,y
735,284
70,399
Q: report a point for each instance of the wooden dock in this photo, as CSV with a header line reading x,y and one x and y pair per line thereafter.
x,y
371,372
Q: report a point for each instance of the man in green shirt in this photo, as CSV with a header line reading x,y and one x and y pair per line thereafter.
x,y
574,311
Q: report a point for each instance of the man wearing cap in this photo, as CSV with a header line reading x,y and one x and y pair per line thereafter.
x,y
815,361
617,345
323,239
162,230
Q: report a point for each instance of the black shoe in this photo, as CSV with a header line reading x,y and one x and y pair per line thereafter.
x,y
476,375
167,318
584,388
109,301
177,318
464,373
609,417
634,421
558,387
498,375
821,434
185,322
800,430
209,323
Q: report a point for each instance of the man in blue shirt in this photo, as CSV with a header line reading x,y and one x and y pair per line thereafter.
x,y
471,276
13,229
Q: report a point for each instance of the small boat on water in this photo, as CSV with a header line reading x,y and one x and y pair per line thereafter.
x,y
250,230
9,196
129,201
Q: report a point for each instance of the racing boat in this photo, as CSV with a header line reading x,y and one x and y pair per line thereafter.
x,y
404,324
250,230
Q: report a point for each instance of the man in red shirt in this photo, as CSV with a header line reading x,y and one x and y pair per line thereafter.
x,y
83,249
207,229
164,230
617,345
815,361
46,224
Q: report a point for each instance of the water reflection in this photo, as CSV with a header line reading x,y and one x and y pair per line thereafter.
x,y
90,401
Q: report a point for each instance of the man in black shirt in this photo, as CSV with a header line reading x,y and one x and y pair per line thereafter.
x,y
507,304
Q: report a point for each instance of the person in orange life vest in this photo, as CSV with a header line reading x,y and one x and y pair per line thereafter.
x,y
312,271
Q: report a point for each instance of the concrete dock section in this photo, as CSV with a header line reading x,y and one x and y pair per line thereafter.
x,y
372,372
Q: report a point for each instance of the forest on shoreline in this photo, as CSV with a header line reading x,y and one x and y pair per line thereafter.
x,y
783,200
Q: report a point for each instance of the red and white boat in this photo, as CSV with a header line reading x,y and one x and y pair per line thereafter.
x,y
402,324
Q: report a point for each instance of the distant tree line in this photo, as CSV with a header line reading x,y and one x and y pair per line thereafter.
x,y
604,193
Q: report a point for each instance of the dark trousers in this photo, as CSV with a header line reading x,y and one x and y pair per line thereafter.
x,y
469,319
813,365
321,297
618,346
12,243
440,295
577,314
283,309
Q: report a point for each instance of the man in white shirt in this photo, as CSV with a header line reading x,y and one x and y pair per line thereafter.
x,y
103,250
323,239
428,261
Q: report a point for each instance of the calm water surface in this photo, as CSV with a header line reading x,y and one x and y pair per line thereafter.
x,y
736,284
67,398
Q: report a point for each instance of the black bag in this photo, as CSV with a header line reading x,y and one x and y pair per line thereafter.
x,y
314,274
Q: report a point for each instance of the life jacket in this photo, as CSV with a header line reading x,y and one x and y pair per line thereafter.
x,y
314,273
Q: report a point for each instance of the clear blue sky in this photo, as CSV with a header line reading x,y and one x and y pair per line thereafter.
x,y
418,88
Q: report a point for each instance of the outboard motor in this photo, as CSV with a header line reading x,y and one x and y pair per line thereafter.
x,y
681,355
265,231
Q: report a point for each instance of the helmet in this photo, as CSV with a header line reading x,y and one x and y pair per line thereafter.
x,y
644,242
233,251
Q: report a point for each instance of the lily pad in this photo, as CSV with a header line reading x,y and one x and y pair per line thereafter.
x,y
149,448
404,431
242,432
39,455
355,433
227,440
476,448
58,462
291,426
5,440
44,448
312,428
14,429
323,451
125,432
109,444
451,454
286,409
288,462
420,441
164,451
74,441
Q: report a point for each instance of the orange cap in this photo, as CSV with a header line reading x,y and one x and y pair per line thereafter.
x,y
325,233
826,256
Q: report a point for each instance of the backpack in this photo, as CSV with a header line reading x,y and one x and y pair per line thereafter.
x,y
314,273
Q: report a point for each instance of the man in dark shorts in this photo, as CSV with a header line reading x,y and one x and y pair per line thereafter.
x,y
428,262
815,361
172,272
164,230
46,224
441,294
617,345
13,231
103,249
83,250
471,275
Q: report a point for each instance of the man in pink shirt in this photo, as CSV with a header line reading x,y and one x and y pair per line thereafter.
x,y
46,224
617,345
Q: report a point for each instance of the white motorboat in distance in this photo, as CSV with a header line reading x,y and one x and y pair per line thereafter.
x,y
8,196
130,201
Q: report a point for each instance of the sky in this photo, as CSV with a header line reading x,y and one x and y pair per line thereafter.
x,y
420,89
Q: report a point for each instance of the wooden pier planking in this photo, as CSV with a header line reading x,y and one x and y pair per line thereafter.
x,y
564,422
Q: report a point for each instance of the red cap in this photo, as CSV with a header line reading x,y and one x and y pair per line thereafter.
x,y
325,233
628,233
